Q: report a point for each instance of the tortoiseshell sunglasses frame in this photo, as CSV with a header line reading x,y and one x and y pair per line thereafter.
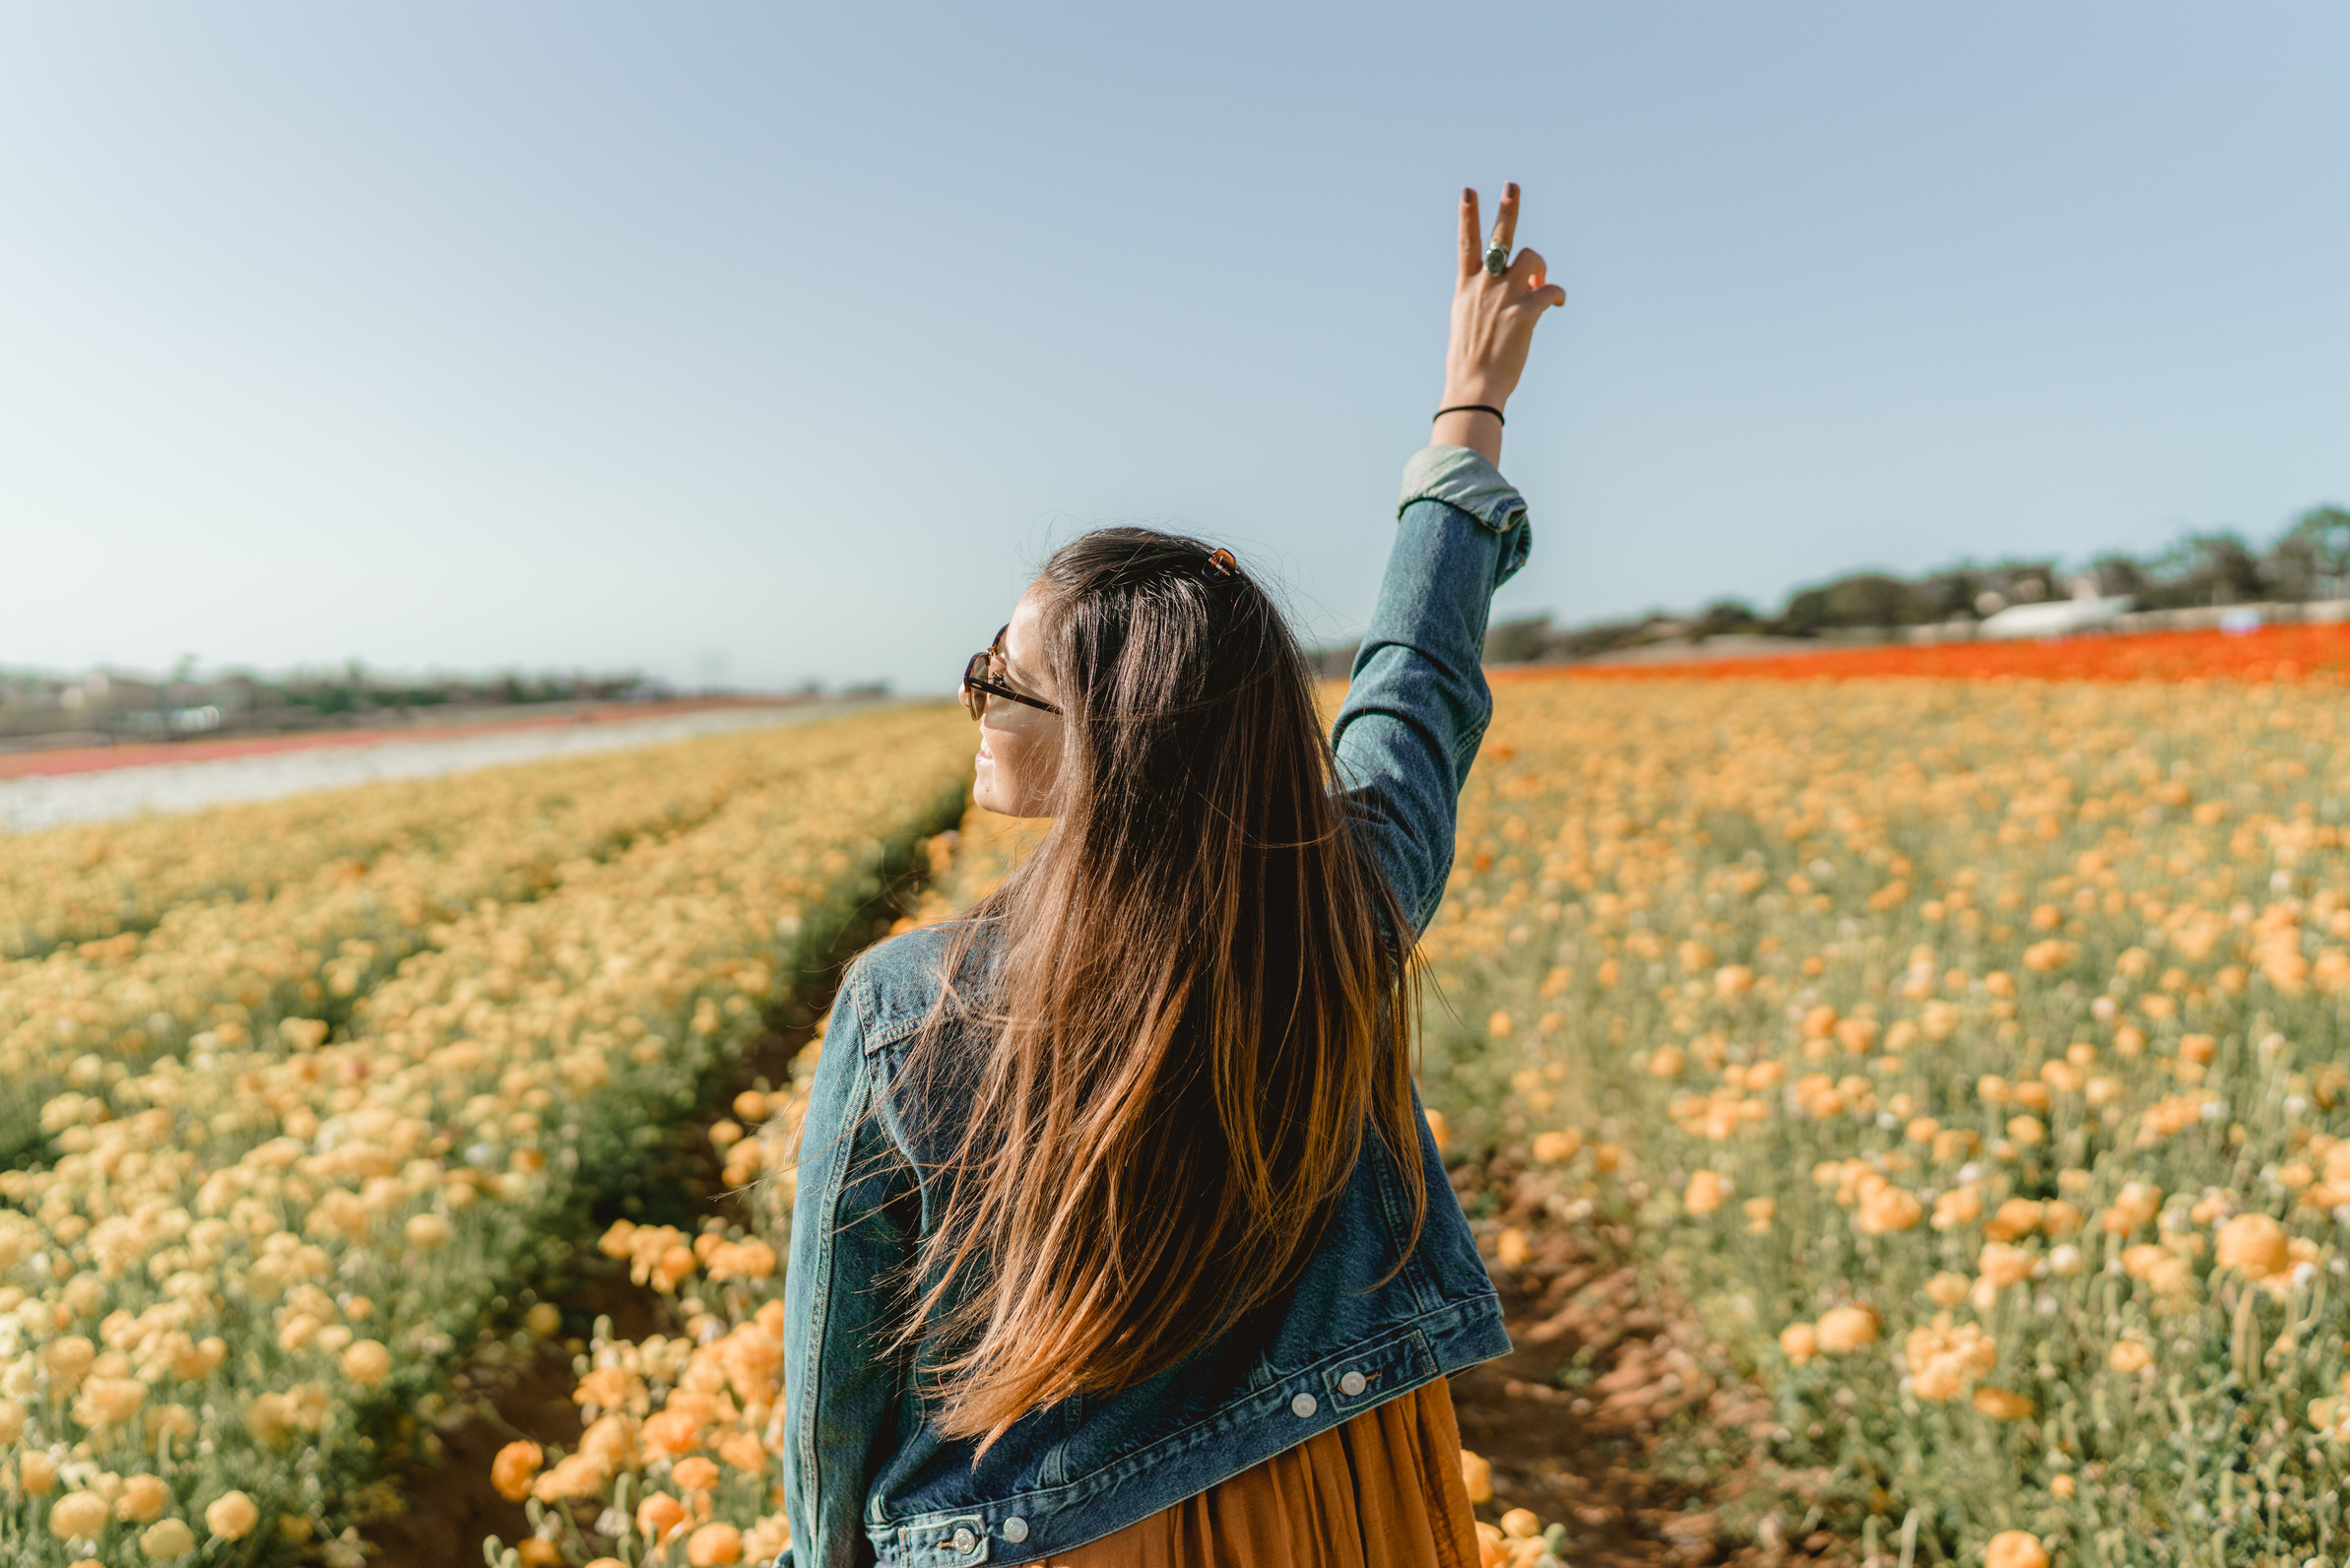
x,y
978,685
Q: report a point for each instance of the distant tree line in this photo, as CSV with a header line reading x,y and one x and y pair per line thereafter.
x,y
115,704
2309,560
356,690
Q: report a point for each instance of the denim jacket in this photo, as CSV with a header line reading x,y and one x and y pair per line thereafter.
x,y
867,1477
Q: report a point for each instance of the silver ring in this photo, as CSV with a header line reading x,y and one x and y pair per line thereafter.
x,y
1498,259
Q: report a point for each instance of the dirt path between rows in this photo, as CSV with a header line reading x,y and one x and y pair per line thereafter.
x,y
1615,1419
503,1397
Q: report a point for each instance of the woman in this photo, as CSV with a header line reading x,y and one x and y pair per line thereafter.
x,y
1120,1237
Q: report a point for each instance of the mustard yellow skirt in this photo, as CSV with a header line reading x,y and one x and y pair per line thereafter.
x,y
1382,1490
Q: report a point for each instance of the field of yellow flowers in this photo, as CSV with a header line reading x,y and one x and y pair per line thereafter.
x,y
321,1099
1970,1054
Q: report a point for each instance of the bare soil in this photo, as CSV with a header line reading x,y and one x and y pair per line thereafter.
x,y
1614,1417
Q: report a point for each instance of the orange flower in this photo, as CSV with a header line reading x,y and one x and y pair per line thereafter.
x,y
672,1433
1706,1192
1843,1330
575,1476
2015,1548
512,1471
1477,1476
2018,1216
610,1388
611,1441
2255,1245
1889,1208
2002,1404
714,1546
661,1519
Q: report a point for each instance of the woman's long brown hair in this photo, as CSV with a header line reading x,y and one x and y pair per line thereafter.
x,y
1201,998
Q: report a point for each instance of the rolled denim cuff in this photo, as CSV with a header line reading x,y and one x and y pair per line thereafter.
x,y
1458,476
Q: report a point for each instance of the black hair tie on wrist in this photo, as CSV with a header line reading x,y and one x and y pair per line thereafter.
x,y
1473,408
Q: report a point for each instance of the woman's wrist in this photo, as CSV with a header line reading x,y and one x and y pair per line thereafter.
x,y
1468,422
1476,389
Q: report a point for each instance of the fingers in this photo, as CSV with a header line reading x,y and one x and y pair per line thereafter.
x,y
1471,250
1505,219
1547,295
1528,269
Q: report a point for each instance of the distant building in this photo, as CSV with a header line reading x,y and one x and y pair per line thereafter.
x,y
2055,618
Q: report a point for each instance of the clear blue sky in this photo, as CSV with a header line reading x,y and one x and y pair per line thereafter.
x,y
777,342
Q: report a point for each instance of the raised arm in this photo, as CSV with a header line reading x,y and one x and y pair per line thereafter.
x,y
1419,705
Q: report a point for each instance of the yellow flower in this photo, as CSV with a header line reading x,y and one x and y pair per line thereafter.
x,y
1887,1210
1556,1147
1844,1329
232,1516
1960,1206
2002,1404
2017,1217
2003,1266
1798,1342
1706,1192
2134,1207
1943,1357
109,1402
70,1357
366,1363
78,1514
166,1539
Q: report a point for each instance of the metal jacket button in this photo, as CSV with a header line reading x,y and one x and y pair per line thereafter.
x,y
1015,1529
965,1541
1352,1384
1303,1404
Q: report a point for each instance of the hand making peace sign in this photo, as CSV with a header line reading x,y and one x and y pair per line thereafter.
x,y
1493,324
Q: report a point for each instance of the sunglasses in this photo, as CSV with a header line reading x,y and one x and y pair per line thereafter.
x,y
982,679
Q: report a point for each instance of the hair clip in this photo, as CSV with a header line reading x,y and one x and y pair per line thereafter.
x,y
1220,562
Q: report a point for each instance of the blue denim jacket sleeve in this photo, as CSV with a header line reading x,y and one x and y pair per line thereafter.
x,y
850,1228
1419,705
